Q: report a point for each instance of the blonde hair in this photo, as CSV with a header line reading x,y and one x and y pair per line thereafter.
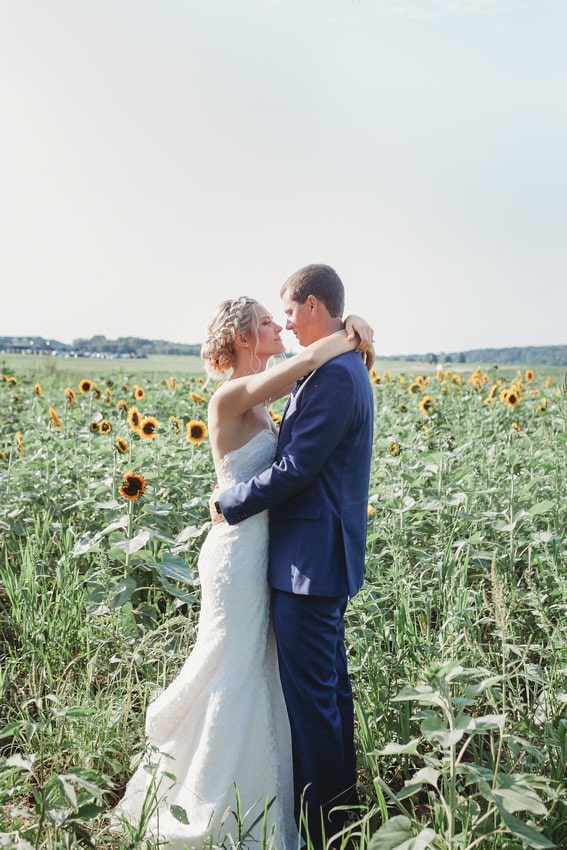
x,y
229,319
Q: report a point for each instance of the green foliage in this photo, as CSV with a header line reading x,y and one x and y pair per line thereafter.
x,y
456,642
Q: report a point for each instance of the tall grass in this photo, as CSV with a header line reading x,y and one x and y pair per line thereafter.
x,y
456,641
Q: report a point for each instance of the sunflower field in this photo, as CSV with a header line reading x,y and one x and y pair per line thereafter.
x,y
457,642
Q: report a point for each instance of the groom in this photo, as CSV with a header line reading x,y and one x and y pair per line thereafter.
x,y
317,494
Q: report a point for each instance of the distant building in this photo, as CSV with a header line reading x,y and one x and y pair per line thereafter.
x,y
31,345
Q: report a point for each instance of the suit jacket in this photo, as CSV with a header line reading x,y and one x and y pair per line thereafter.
x,y
317,488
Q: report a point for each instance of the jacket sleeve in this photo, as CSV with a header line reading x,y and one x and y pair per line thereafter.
x,y
322,418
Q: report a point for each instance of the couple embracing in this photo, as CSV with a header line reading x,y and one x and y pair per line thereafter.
x,y
254,739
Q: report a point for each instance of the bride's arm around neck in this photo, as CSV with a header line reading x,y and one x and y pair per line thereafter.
x,y
238,395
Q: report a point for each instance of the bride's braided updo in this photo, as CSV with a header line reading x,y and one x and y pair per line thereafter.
x,y
230,318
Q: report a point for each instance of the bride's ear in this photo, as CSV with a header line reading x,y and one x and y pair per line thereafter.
x,y
240,340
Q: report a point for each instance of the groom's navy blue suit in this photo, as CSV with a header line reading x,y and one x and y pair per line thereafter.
x,y
317,494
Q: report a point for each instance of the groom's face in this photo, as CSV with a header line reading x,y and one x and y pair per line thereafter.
x,y
299,319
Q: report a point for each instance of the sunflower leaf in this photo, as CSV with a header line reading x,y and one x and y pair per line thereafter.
x,y
135,543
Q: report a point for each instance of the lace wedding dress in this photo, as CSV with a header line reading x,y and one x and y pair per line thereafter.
x,y
221,727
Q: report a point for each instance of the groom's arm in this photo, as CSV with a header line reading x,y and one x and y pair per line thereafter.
x,y
318,428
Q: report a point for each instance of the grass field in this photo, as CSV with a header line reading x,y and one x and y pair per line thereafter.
x,y
456,642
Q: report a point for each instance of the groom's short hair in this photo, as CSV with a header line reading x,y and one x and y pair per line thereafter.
x,y
321,281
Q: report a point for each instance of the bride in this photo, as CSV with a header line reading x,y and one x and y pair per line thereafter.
x,y
217,768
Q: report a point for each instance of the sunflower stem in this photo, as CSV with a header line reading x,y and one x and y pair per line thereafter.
x,y
129,534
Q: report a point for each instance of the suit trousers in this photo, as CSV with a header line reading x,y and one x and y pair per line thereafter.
x,y
313,668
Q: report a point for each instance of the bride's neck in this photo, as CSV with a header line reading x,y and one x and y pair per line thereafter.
x,y
249,366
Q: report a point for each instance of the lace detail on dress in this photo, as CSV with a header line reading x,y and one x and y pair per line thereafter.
x,y
245,462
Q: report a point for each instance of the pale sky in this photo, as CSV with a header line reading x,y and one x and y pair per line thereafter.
x,y
158,156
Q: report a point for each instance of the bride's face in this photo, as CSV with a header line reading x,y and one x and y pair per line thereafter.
x,y
268,333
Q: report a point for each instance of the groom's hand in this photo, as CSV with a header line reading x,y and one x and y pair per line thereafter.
x,y
214,508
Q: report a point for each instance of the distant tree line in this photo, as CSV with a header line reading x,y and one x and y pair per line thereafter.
x,y
535,355
133,345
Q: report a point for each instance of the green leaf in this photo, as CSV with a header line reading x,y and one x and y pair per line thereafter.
x,y
188,533
179,814
135,543
123,592
490,721
425,776
393,749
541,507
68,790
436,729
480,687
87,812
532,837
519,798
396,834
423,694
173,567
176,591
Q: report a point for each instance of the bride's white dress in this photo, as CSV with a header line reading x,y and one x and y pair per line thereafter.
x,y
221,728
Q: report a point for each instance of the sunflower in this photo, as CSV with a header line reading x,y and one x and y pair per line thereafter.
x,y
10,379
493,389
509,397
94,426
54,417
544,404
148,427
176,424
427,405
414,388
37,389
97,392
139,392
196,431
122,445
134,418
85,386
19,442
369,510
276,417
122,405
133,487
104,426
529,374
71,395
394,449
108,396
197,397
516,427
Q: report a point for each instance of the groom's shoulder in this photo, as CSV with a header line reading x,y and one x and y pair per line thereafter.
x,y
348,365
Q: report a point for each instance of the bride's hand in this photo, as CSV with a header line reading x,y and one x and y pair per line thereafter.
x,y
359,327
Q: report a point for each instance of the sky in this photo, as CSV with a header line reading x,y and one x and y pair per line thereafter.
x,y
159,156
